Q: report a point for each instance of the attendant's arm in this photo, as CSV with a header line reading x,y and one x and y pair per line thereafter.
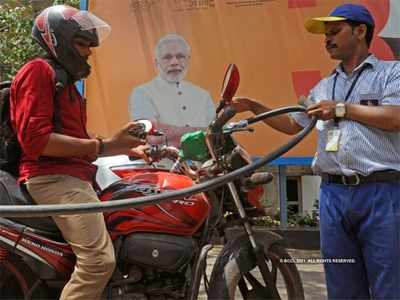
x,y
385,117
282,123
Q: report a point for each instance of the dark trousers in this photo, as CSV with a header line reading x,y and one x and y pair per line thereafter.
x,y
360,240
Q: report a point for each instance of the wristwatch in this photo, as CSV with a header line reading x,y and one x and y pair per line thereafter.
x,y
340,110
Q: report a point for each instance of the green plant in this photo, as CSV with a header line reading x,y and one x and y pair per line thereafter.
x,y
266,221
16,44
294,219
310,219
307,220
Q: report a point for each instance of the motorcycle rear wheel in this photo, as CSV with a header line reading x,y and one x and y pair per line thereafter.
x,y
250,285
17,281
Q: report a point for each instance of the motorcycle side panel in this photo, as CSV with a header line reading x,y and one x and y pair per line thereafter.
x,y
55,259
162,251
178,217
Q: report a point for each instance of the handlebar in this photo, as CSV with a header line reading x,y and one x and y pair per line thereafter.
x,y
228,113
215,144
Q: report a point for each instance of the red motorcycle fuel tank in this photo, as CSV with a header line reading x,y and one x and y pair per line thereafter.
x,y
178,216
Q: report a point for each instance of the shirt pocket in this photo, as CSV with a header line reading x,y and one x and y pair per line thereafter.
x,y
370,99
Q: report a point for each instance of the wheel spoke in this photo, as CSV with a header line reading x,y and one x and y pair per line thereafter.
x,y
255,284
257,291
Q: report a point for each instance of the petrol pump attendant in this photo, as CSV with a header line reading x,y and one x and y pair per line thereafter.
x,y
358,158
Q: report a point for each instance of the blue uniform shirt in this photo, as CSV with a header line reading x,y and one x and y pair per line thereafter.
x,y
363,149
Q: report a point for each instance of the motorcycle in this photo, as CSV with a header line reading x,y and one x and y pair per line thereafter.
x,y
161,249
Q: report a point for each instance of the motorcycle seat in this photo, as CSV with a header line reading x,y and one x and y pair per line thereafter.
x,y
11,193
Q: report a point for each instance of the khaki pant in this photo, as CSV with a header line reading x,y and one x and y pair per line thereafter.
x,y
85,233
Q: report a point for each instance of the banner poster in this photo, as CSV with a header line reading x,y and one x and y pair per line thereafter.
x,y
278,60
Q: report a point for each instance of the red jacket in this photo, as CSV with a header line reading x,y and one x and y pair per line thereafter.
x,y
32,104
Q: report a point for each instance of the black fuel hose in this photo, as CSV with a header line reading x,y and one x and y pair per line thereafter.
x,y
273,113
25,211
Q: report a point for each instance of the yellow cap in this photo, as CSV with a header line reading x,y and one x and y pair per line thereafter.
x,y
317,25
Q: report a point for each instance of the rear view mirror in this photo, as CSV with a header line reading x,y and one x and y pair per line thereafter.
x,y
230,83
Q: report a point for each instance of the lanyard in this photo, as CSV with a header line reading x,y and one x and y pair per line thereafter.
x,y
352,84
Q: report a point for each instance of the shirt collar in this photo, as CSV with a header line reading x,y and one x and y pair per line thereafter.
x,y
371,60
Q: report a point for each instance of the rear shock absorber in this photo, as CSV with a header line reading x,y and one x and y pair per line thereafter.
x,y
3,254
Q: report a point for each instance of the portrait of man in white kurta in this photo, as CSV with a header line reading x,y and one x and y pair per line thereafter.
x,y
175,105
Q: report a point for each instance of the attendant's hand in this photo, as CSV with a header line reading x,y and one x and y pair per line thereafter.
x,y
323,110
242,104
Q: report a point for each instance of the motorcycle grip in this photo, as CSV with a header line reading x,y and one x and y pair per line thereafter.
x,y
228,113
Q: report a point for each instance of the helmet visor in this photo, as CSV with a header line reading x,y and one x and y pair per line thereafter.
x,y
89,22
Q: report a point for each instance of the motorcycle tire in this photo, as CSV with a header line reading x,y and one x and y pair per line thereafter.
x,y
17,281
244,284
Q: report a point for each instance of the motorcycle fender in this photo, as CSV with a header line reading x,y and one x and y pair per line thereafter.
x,y
237,254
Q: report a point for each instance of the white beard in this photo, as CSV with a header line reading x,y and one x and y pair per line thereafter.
x,y
173,78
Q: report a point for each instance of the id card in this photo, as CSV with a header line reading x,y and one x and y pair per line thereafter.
x,y
332,144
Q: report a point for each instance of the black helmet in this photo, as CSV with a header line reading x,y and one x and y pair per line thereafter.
x,y
55,29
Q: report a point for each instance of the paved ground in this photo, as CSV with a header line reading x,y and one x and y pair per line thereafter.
x,y
312,274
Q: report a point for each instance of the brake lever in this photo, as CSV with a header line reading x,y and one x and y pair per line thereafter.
x,y
242,125
248,129
234,125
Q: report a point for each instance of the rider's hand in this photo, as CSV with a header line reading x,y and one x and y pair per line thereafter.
x,y
123,142
323,110
141,152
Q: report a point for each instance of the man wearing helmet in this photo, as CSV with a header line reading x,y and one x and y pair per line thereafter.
x,y
57,152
